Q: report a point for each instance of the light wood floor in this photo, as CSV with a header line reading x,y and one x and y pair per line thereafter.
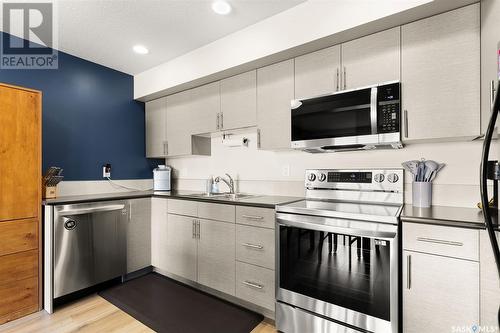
x,y
91,314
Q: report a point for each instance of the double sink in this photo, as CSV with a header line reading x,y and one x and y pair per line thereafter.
x,y
222,196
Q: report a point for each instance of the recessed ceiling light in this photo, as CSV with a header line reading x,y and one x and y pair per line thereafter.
x,y
221,7
140,49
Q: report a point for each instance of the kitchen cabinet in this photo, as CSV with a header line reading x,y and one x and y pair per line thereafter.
x,y
181,247
180,119
238,96
275,90
139,234
156,128
489,282
20,201
255,284
205,104
216,256
440,64
490,38
439,293
159,215
317,73
372,59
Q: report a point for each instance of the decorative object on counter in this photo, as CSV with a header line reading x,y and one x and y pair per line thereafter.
x,y
161,178
423,173
52,177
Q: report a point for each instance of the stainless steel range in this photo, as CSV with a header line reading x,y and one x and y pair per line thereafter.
x,y
337,265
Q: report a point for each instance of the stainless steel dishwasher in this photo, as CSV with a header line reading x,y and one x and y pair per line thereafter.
x,y
89,245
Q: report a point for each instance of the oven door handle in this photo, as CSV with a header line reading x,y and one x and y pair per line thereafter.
x,y
339,226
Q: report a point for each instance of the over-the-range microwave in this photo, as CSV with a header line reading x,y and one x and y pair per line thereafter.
x,y
365,118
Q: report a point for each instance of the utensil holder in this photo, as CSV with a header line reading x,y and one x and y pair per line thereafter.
x,y
422,194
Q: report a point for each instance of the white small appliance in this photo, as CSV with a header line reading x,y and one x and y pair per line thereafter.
x,y
161,178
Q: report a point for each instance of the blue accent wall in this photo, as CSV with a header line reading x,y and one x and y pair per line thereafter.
x,y
89,118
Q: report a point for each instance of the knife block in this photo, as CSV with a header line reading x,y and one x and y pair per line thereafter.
x,y
49,192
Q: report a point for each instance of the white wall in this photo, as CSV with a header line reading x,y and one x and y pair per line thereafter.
x,y
261,172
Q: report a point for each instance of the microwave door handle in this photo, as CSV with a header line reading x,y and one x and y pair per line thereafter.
x,y
373,110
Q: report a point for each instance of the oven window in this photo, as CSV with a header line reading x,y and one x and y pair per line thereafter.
x,y
334,116
348,271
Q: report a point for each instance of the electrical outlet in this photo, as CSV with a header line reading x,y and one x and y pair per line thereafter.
x,y
106,171
285,171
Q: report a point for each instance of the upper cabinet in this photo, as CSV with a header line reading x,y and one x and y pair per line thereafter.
x,y
238,97
317,73
372,59
490,38
156,131
205,108
441,76
275,90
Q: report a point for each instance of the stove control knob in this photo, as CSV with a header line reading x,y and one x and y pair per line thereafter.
x,y
321,177
392,177
379,177
311,177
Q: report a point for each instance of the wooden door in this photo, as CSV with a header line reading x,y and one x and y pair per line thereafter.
x,y
439,293
275,90
20,153
239,101
441,76
372,59
216,255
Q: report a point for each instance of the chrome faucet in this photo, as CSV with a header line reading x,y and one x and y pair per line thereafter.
x,y
229,183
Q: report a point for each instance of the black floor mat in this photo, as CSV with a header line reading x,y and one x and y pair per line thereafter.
x,y
171,307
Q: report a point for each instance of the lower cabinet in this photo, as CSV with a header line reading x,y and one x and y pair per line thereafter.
x,y
440,293
181,247
139,235
255,284
216,246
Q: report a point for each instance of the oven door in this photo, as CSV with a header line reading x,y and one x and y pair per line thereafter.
x,y
341,119
345,270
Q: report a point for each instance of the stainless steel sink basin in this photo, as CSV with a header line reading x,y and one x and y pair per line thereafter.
x,y
223,196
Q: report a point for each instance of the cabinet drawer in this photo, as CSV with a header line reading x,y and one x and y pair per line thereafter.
x,y
255,246
440,240
183,207
18,295
18,266
255,285
259,217
17,236
217,212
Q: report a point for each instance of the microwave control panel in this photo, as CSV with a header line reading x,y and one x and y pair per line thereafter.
x,y
388,113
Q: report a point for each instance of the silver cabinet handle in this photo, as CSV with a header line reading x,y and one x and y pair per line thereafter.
x,y
222,120
253,246
253,284
439,241
408,272
492,93
166,145
194,229
345,78
217,122
198,233
252,217
405,115
338,79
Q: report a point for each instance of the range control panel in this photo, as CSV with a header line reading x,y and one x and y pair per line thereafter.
x,y
367,179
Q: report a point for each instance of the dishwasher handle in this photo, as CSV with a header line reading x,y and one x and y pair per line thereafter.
x,y
90,210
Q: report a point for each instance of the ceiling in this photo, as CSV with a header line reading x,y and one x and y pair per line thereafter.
x,y
104,31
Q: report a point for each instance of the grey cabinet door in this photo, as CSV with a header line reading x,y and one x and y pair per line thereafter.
x,y
440,76
275,90
139,234
490,39
239,101
159,232
439,293
179,121
490,283
205,108
372,59
181,254
156,132
216,255
317,73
